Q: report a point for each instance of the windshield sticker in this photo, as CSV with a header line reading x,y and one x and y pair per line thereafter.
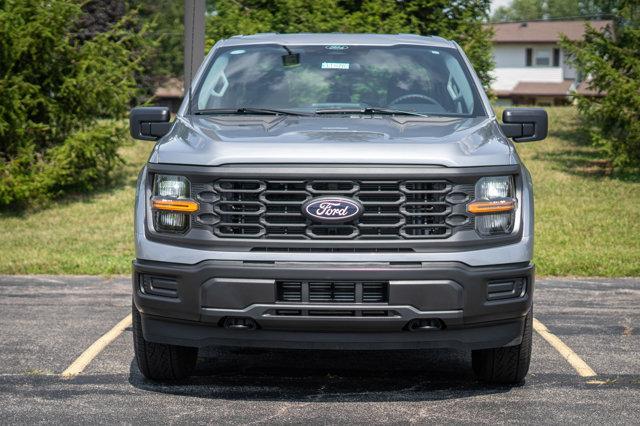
x,y
335,66
237,52
336,47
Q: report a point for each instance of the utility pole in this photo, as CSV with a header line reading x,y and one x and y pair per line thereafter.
x,y
194,11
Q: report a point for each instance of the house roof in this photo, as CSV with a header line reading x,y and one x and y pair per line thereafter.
x,y
542,31
564,88
542,89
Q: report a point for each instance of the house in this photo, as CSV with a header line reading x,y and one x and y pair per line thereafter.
x,y
531,67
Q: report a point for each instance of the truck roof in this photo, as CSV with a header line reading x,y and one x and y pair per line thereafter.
x,y
338,38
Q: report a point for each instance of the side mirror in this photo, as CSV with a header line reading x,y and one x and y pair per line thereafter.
x,y
149,123
525,124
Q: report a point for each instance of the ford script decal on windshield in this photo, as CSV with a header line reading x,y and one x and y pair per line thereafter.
x,y
332,209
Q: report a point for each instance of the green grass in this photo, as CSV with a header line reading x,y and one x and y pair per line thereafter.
x,y
587,221
84,234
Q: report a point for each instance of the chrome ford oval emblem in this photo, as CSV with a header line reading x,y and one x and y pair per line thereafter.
x,y
336,47
332,209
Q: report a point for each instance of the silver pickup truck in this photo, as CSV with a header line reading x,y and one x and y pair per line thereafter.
x,y
334,191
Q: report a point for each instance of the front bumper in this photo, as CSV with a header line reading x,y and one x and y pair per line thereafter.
x,y
454,293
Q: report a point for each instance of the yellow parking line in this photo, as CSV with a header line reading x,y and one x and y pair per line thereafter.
x,y
570,356
98,346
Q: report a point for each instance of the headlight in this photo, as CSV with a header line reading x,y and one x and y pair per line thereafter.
x,y
171,204
171,186
494,206
490,188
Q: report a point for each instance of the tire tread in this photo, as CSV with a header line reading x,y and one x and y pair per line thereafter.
x,y
158,361
508,365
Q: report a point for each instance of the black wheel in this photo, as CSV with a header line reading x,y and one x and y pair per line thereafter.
x,y
508,365
158,361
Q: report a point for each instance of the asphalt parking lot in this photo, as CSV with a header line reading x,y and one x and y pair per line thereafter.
x,y
47,322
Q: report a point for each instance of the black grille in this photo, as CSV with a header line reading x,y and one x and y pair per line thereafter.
x,y
290,292
373,293
332,291
272,209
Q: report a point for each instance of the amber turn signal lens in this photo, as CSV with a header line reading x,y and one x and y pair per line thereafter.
x,y
172,205
495,206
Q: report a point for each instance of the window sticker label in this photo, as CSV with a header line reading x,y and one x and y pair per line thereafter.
x,y
335,66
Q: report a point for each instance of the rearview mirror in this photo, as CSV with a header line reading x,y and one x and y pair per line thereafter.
x,y
525,124
149,123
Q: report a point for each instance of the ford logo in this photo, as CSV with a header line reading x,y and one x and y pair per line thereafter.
x,y
332,209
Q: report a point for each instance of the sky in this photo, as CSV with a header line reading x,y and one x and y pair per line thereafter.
x,y
497,3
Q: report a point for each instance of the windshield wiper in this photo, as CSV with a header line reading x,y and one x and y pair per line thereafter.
x,y
248,110
369,110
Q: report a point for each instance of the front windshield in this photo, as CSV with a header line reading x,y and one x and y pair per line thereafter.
x,y
334,78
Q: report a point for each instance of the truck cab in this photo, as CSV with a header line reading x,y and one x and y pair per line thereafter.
x,y
335,191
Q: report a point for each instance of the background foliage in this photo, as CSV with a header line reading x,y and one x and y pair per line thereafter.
x,y
611,62
165,19
460,20
527,10
57,80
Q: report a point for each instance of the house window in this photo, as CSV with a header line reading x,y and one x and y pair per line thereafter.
x,y
543,58
556,57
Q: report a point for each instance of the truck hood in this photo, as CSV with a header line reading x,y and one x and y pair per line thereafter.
x,y
246,139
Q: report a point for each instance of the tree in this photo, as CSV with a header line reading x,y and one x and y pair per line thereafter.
x,y
528,10
163,20
519,10
167,20
56,87
98,16
611,62
461,20
565,9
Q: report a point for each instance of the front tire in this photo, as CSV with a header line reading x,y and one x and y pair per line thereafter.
x,y
158,361
508,365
